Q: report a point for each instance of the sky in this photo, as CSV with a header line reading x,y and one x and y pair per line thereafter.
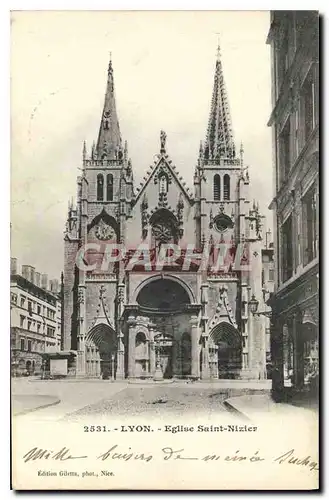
x,y
164,66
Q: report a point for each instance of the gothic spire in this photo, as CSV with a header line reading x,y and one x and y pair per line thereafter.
x,y
109,137
219,142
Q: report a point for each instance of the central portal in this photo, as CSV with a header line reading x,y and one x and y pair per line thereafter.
x,y
163,295
160,327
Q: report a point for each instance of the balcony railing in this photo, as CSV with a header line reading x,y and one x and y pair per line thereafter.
x,y
102,163
223,162
100,277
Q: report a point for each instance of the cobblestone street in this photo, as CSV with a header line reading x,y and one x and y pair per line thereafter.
x,y
80,398
155,401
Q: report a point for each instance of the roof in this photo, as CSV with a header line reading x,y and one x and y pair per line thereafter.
x,y
58,354
163,160
32,288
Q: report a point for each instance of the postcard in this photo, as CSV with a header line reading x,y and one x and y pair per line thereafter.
x,y
165,250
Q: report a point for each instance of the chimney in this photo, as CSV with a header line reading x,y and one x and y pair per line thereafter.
x,y
44,281
28,273
37,279
24,271
54,286
13,265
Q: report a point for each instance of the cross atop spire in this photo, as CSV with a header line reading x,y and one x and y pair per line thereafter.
x,y
218,49
219,142
109,144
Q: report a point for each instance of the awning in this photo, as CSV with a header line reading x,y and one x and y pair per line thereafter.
x,y
58,354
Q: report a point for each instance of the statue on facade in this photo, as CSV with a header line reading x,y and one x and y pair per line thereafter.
x,y
163,137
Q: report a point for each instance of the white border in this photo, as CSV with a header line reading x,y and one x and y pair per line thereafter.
x,y
5,7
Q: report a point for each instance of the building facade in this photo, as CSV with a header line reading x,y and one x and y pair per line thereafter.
x,y
268,274
149,315
294,40
35,328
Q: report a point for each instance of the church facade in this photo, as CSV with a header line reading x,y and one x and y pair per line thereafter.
x,y
185,316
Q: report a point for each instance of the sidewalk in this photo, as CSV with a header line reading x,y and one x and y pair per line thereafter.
x,y
27,403
70,397
249,406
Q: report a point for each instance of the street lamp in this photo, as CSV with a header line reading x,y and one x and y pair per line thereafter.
x,y
253,306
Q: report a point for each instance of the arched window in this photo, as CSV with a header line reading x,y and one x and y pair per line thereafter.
x,y
164,228
100,187
226,187
109,187
163,184
216,187
140,339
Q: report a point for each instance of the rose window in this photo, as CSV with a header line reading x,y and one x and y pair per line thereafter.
x,y
222,222
162,231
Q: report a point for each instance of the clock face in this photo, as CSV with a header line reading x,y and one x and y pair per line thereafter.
x,y
104,232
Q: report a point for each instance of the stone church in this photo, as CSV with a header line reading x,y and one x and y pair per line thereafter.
x,y
134,321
